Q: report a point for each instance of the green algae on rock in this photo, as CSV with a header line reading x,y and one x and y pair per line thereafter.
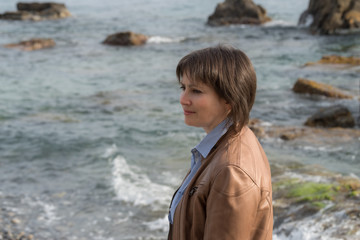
x,y
311,191
305,195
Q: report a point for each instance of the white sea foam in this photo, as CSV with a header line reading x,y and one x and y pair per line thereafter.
x,y
321,149
133,186
307,178
321,226
280,23
110,151
161,224
159,39
48,213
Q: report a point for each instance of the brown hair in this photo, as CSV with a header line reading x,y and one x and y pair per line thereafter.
x,y
229,72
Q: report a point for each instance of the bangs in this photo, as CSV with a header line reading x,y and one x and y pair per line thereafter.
x,y
198,66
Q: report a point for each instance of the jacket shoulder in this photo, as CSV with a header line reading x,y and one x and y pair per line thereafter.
x,y
245,152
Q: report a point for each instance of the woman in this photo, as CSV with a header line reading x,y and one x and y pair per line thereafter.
x,y
227,192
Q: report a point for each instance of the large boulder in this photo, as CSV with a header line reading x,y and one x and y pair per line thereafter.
x,y
332,16
33,44
126,39
37,11
334,116
311,87
238,12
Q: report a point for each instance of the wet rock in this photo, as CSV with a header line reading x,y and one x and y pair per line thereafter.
x,y
292,133
334,116
311,192
37,11
334,59
312,87
126,39
15,221
238,12
332,16
304,134
255,126
33,44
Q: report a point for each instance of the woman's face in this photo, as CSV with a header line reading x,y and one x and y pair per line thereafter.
x,y
202,106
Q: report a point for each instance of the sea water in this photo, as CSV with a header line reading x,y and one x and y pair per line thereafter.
x,y
92,139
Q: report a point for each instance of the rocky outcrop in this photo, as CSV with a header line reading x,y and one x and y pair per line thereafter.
x,y
311,87
37,11
334,116
126,39
331,16
33,44
238,12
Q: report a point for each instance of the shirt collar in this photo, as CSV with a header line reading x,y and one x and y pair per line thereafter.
x,y
205,146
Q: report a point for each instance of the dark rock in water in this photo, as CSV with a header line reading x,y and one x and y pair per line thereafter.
x,y
37,11
238,12
19,16
335,116
33,44
312,87
126,39
332,16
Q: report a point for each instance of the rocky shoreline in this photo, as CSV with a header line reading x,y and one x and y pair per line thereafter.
x,y
303,194
12,226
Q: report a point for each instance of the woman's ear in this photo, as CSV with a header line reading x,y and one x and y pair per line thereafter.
x,y
228,108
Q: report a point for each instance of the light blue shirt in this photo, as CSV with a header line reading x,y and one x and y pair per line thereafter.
x,y
198,153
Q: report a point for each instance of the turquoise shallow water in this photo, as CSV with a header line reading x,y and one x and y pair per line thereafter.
x,y
92,141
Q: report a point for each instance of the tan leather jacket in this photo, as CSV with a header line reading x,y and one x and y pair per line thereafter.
x,y
230,196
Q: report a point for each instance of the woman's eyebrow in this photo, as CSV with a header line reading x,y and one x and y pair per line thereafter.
x,y
191,85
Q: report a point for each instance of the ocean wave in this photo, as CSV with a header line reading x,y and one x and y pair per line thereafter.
x,y
160,39
135,187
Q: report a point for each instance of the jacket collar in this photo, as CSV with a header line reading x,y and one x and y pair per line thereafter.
x,y
205,146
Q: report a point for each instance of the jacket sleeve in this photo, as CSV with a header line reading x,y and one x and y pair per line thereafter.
x,y
237,208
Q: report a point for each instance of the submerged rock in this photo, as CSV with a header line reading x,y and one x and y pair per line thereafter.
x,y
37,11
312,87
126,39
334,116
238,12
332,16
33,44
334,59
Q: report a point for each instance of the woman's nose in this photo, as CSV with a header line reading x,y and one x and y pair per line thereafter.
x,y
184,98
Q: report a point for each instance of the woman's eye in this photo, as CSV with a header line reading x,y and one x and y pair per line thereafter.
x,y
182,88
196,91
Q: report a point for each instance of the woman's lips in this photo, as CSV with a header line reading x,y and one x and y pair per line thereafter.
x,y
188,112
